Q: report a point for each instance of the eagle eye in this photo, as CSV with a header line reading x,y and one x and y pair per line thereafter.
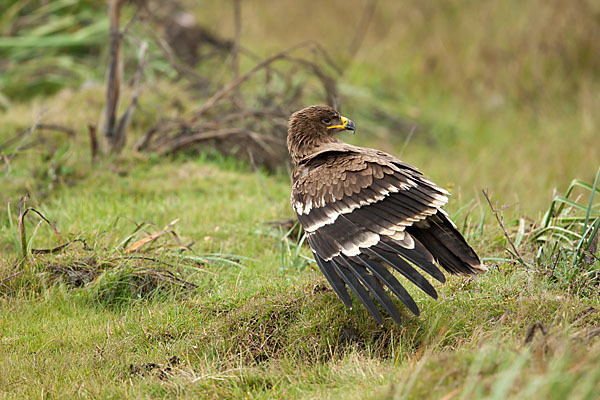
x,y
326,121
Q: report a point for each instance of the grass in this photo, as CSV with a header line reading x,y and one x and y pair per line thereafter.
x,y
568,235
43,45
269,327
244,313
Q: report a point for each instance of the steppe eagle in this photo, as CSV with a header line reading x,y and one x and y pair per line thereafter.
x,y
366,213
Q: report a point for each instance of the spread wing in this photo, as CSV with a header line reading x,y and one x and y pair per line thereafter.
x,y
364,211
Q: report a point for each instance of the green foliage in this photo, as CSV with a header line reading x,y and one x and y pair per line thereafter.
x,y
291,244
568,237
45,46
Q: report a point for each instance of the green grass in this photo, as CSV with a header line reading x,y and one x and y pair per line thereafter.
x,y
268,328
244,314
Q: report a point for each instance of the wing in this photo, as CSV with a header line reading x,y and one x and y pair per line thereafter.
x,y
364,211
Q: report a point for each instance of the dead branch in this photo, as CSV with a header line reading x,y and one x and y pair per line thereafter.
x,y
59,128
93,141
499,219
123,126
21,142
235,62
253,113
19,136
184,36
144,141
236,82
328,83
217,134
256,131
113,80
181,68
530,334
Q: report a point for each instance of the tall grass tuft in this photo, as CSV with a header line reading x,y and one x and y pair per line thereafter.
x,y
568,236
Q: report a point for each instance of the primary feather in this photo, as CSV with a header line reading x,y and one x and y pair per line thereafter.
x,y
365,211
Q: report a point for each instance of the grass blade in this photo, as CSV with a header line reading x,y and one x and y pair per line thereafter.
x,y
591,203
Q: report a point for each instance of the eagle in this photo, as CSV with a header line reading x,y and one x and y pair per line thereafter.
x,y
366,214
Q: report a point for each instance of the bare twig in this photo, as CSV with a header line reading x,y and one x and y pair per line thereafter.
x,y
21,140
8,278
124,121
181,68
236,82
499,219
144,141
317,48
137,15
254,113
93,141
59,128
235,61
113,80
208,135
407,140
328,83
19,136
236,129
530,334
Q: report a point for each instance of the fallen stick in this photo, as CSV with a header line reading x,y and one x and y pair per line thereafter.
x,y
504,230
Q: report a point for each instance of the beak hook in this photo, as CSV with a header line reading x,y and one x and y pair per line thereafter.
x,y
346,125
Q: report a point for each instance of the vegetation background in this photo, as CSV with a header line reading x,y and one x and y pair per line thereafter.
x,y
100,301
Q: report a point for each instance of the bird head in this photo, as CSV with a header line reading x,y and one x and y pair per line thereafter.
x,y
313,127
323,120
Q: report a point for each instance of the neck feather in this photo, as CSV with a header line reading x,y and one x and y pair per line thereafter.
x,y
302,143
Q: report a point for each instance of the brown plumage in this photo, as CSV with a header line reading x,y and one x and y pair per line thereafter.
x,y
364,212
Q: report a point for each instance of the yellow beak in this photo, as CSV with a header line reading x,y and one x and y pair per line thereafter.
x,y
346,125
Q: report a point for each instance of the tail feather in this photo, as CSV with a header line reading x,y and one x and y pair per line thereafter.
x,y
358,289
385,276
375,288
447,245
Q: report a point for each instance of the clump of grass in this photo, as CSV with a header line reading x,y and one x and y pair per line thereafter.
x,y
568,237
304,323
128,280
112,276
101,277
550,368
291,244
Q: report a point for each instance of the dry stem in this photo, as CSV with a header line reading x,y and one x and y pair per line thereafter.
x,y
499,219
